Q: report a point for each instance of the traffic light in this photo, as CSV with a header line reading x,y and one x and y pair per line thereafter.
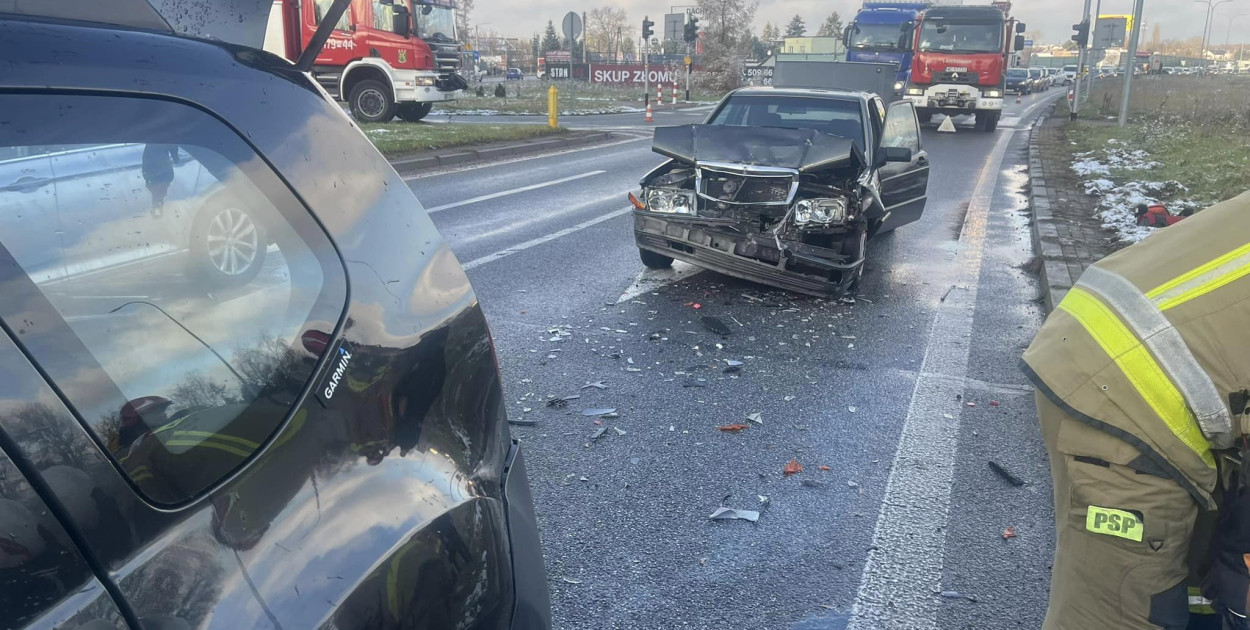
x,y
647,32
692,30
1081,37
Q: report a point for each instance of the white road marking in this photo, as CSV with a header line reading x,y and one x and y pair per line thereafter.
x,y
511,226
649,280
544,239
903,573
513,191
534,156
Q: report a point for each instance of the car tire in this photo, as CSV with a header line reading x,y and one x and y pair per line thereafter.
x,y
227,245
414,112
653,260
372,102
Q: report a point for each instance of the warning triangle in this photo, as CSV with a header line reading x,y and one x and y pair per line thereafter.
x,y
947,126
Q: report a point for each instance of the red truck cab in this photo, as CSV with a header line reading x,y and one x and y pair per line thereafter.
x,y
397,57
960,62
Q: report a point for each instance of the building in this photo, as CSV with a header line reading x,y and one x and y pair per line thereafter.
x,y
812,45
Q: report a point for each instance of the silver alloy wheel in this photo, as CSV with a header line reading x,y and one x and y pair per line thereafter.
x,y
371,103
232,242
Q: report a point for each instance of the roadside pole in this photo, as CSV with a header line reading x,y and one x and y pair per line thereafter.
x,y
1080,70
688,63
646,73
1132,63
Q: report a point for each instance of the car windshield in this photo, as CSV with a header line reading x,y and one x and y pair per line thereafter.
x,y
1017,73
1035,73
875,36
435,21
968,38
832,116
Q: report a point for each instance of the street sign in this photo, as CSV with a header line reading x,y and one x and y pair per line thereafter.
x,y
572,26
1111,31
687,60
1028,43
674,26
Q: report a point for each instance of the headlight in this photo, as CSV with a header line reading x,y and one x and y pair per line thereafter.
x,y
899,85
670,201
915,92
807,211
425,80
993,93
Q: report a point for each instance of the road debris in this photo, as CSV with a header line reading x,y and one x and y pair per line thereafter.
x,y
730,514
793,468
598,433
571,581
756,417
1009,533
619,431
789,398
596,385
523,422
948,292
852,484
764,500
561,403
851,409
598,411
825,468
715,325
957,594
1002,472
809,483
690,382
993,403
733,428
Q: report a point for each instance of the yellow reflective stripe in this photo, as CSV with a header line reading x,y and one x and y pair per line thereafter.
x,y
219,436
209,444
1202,279
1137,364
1199,605
1112,522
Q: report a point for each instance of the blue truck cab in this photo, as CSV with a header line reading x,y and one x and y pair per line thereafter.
x,y
879,34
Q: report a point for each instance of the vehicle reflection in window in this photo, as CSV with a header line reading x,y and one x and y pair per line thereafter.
x,y
184,283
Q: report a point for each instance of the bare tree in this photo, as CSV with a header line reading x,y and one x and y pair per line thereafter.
x,y
726,42
606,27
463,9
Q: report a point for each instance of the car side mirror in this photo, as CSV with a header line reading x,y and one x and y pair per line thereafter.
x,y
846,35
401,21
905,37
896,154
1020,27
1019,42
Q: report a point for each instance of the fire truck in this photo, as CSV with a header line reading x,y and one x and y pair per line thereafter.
x,y
384,57
960,61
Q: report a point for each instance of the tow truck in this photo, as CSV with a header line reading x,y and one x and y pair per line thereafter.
x,y
961,60
383,57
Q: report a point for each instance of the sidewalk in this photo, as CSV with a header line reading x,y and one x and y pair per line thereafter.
x,y
1067,236
426,160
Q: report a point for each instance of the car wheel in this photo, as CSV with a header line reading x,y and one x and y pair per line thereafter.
x,y
653,260
854,248
372,102
227,245
414,112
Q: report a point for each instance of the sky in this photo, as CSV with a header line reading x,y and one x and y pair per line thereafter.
x,y
1180,19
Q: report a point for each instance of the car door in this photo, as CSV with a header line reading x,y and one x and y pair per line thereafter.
x,y
904,185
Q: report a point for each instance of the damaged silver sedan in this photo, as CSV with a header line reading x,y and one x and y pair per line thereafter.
x,y
783,187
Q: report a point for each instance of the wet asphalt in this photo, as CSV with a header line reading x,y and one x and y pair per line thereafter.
x,y
624,516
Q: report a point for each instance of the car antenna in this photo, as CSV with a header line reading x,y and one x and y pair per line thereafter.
x,y
328,21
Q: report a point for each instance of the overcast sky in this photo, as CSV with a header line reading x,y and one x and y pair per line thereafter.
x,y
1180,18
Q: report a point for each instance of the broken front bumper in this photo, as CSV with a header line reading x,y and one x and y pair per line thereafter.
x,y
797,267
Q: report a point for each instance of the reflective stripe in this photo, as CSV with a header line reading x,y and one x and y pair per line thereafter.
x,y
1202,279
1151,383
209,435
1198,604
1169,349
208,444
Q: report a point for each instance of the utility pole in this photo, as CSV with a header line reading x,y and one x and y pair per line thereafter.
x,y
1082,42
1131,66
646,59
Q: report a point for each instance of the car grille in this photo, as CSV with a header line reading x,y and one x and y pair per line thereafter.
x,y
746,189
958,78
446,57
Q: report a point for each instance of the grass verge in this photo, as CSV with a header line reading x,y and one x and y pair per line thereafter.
x,y
400,138
575,98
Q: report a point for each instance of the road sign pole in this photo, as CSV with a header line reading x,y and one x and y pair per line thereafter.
x,y
646,74
1132,59
689,62
1080,70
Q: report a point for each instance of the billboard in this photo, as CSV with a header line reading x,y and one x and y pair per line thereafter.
x,y
674,27
632,74
1112,31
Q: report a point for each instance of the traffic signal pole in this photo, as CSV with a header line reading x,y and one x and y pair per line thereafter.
x,y
1132,62
1080,64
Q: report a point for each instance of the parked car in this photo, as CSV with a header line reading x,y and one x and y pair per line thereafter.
x,y
1018,81
315,437
1038,80
515,74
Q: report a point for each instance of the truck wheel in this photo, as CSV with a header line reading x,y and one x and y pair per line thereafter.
x,y
653,260
988,122
414,112
372,102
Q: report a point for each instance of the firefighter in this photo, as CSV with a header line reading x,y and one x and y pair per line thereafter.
x,y
1142,374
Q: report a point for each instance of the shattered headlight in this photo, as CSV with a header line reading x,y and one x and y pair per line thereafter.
x,y
823,211
670,201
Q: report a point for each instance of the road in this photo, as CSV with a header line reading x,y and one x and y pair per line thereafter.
x,y
893,405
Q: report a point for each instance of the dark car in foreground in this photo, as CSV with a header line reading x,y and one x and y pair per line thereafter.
x,y
247,385
784,186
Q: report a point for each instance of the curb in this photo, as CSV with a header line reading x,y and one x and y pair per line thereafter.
x,y
462,155
1056,279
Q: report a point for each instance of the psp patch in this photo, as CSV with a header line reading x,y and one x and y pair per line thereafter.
x,y
1112,522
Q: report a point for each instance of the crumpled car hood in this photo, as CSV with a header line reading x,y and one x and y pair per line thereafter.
x,y
801,149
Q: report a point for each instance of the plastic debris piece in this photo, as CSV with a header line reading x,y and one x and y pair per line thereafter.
x,y
690,382
696,306
632,369
571,581
596,385
789,398
1009,533
598,433
971,404
764,499
957,594
598,412
793,468
522,422
852,484
1002,472
733,363
948,416
756,417
583,478
672,428
618,430
825,468
733,428
993,403
716,326
730,514
851,409
561,403
733,369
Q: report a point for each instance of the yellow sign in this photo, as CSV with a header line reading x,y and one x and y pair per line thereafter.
x,y
1118,523
687,60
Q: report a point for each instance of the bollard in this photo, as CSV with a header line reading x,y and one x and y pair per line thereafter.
x,y
659,93
553,107
674,92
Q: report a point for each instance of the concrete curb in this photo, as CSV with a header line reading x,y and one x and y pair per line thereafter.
x,y
462,155
1056,278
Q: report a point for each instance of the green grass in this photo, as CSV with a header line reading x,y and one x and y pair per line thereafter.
x,y
400,138
576,98
1198,128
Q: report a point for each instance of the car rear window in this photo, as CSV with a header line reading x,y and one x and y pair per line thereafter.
x,y
1017,73
836,117
162,276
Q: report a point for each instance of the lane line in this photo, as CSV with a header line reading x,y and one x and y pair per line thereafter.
x,y
649,280
515,227
451,170
544,239
513,191
903,574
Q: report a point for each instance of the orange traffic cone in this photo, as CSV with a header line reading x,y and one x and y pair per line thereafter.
x,y
649,118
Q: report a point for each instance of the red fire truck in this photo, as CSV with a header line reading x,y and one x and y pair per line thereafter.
x,y
961,59
384,57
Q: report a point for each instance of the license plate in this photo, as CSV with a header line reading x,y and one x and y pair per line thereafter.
x,y
949,69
